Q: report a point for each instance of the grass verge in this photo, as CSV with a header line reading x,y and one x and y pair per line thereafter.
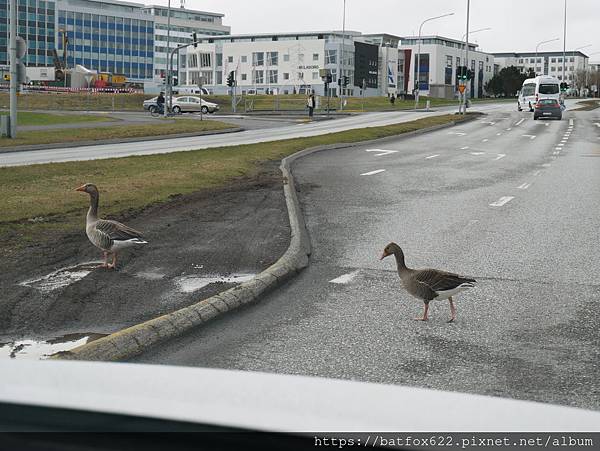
x,y
26,118
588,105
38,201
161,127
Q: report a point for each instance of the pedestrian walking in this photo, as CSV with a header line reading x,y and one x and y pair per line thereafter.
x,y
392,99
310,103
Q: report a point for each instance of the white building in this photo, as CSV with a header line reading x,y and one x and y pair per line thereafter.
x,y
547,63
183,23
439,59
284,63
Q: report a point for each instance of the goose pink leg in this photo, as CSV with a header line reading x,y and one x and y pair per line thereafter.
x,y
105,264
452,310
113,265
425,314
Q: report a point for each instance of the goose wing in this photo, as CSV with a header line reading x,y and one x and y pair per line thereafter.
x,y
116,231
434,280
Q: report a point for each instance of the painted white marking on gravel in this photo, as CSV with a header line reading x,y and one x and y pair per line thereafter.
x,y
529,136
484,140
520,122
502,201
382,152
570,122
524,186
500,156
374,172
432,156
345,278
464,148
477,153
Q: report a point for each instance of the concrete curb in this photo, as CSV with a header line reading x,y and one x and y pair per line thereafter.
x,y
136,339
117,140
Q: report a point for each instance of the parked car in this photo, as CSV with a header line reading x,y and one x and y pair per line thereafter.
x,y
190,104
148,103
547,108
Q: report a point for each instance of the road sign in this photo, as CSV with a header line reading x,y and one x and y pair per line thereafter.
x,y
461,88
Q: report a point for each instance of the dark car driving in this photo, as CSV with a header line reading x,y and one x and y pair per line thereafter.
x,y
547,108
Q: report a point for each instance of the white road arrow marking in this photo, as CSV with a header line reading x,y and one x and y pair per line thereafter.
x,y
500,156
529,136
488,122
345,278
382,152
597,124
502,201
374,172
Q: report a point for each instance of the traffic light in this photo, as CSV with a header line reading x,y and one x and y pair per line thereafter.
x,y
564,86
21,51
462,73
231,79
339,82
469,74
175,81
195,39
329,78
345,80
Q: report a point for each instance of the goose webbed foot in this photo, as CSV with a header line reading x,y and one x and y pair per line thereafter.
x,y
113,265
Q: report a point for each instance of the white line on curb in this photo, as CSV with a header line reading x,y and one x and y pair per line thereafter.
x,y
374,172
503,200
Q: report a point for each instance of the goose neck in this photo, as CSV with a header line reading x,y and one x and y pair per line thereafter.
x,y
93,211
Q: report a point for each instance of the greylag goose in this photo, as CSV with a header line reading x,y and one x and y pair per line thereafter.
x,y
109,236
428,284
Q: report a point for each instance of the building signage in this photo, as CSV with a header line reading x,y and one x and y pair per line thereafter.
x,y
308,67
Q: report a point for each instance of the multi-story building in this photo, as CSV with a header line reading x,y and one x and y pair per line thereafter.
x,y
439,59
37,24
547,63
105,35
183,23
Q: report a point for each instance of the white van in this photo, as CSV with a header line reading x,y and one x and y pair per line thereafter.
x,y
540,87
190,90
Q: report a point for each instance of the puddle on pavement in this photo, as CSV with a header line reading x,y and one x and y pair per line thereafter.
x,y
189,284
36,349
62,277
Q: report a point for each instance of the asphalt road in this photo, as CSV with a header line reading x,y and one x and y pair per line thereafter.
x,y
510,201
209,141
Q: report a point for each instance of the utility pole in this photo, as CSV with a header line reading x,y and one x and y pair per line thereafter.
x,y
13,68
565,44
169,63
466,93
341,75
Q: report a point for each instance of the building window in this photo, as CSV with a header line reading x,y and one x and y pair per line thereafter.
x,y
205,60
458,61
448,61
244,59
330,56
286,57
273,76
272,58
315,75
258,59
560,60
230,59
286,75
572,60
520,60
259,77
193,60
553,60
315,57
244,77
300,57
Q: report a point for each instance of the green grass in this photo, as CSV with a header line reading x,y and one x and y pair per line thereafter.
x,y
159,128
26,118
588,105
39,200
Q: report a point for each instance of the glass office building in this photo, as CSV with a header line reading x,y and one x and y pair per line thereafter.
x,y
36,23
107,36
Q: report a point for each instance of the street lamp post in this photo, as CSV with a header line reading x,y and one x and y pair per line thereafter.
x,y
169,63
419,55
465,38
341,74
536,53
564,43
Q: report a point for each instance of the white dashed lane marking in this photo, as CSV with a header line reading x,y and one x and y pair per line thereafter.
x,y
520,122
500,156
484,140
524,186
381,152
374,172
529,136
502,201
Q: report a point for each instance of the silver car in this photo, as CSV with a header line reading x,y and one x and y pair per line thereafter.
x,y
189,104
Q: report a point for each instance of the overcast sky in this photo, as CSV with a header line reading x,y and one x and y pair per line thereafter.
x,y
517,25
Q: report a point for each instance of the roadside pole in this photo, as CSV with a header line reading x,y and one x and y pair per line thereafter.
x,y
466,94
13,69
200,86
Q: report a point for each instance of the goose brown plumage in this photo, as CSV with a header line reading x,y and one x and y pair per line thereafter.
x,y
107,235
428,284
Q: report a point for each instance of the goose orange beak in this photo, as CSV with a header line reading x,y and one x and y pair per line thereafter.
x,y
81,188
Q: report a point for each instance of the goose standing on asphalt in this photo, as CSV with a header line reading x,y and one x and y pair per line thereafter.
x,y
428,284
109,236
